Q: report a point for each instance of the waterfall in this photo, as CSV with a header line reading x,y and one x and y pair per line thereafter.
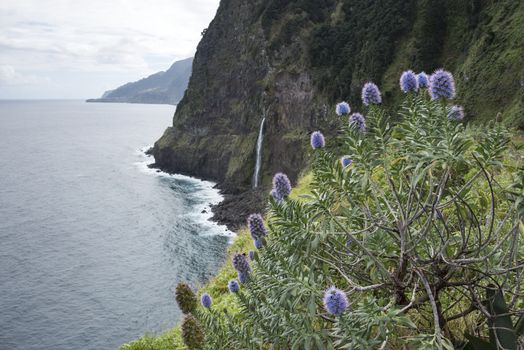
x,y
258,163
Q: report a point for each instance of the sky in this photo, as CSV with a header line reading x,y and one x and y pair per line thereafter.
x,y
80,48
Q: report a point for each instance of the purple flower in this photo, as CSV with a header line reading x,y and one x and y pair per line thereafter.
x,y
233,286
345,161
251,254
256,226
408,81
206,300
275,195
281,186
342,108
240,263
456,113
350,245
357,120
441,85
371,94
259,243
243,277
423,80
317,140
335,301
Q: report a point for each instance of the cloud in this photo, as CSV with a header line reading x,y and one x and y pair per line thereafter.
x,y
7,73
9,76
120,38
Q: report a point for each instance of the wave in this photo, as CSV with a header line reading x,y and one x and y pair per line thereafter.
x,y
203,195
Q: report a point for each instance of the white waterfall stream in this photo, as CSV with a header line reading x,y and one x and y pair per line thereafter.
x,y
258,163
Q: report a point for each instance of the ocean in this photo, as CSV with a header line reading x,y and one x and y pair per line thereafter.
x,y
92,241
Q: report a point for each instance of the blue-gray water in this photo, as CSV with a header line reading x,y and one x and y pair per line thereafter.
x,y
92,243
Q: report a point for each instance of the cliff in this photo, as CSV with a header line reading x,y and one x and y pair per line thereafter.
x,y
290,61
163,87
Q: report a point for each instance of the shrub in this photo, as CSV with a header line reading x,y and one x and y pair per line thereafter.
x,y
419,233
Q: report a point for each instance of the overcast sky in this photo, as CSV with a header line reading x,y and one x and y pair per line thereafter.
x,y
80,48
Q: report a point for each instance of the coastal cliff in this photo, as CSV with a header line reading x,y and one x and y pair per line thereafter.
x,y
290,61
166,87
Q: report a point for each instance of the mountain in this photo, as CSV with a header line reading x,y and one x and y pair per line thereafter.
x,y
163,87
290,61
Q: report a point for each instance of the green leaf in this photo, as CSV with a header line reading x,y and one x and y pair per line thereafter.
x,y
519,326
475,343
501,327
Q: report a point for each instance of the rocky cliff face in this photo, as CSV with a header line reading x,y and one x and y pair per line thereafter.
x,y
291,60
163,87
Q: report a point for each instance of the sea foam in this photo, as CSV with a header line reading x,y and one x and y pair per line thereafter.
x,y
202,197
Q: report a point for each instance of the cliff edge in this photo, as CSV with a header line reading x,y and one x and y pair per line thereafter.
x,y
290,61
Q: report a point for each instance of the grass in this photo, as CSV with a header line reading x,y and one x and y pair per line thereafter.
x,y
303,186
171,340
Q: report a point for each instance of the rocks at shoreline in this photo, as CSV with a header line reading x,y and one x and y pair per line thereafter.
x,y
235,208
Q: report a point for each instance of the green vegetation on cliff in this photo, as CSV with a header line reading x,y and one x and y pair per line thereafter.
x,y
421,235
222,300
163,87
217,287
291,60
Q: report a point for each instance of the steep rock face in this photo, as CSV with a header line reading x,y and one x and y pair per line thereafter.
x,y
216,124
291,60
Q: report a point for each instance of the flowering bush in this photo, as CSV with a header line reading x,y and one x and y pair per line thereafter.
x,y
358,121
335,301
206,300
371,94
409,81
342,108
441,85
281,187
317,140
422,80
420,236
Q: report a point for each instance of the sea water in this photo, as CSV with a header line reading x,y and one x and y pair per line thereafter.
x,y
93,241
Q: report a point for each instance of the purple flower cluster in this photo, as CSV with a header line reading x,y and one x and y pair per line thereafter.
x,y
358,121
335,301
342,108
256,226
241,264
233,286
371,94
251,255
423,80
281,187
317,140
346,161
408,81
350,245
259,243
441,85
206,300
456,113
